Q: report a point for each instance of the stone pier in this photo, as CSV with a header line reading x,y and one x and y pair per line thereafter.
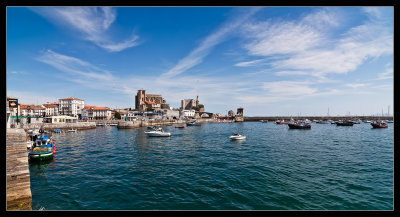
x,y
19,196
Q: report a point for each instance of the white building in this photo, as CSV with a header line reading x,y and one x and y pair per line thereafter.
x,y
96,113
188,113
33,110
51,109
71,106
61,119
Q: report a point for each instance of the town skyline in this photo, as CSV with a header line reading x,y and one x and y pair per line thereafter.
x,y
268,60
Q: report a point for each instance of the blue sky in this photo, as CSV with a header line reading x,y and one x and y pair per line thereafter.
x,y
268,60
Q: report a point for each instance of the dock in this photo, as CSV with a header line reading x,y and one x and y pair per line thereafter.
x,y
19,195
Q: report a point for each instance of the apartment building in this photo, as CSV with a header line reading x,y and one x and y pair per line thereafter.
x,y
71,106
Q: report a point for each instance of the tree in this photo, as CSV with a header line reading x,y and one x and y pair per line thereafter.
x,y
117,115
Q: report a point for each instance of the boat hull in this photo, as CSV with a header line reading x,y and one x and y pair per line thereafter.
x,y
344,124
379,125
237,137
295,126
41,156
192,124
151,134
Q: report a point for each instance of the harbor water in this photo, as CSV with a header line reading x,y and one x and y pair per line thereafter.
x,y
328,167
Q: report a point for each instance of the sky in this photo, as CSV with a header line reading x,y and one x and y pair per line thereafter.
x,y
290,61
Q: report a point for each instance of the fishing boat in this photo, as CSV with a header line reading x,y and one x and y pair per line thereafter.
x,y
43,147
157,133
57,131
379,124
281,122
344,123
180,126
299,125
237,136
193,123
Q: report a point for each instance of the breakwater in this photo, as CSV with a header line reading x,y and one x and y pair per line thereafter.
x,y
62,126
19,196
334,118
136,124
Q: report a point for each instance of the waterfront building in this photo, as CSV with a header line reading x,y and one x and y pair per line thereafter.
x,y
145,101
33,110
239,115
61,119
188,113
169,114
51,109
231,113
96,113
71,106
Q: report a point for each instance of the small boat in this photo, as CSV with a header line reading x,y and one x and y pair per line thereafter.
x,y
43,147
113,124
323,122
379,125
72,131
389,121
157,133
237,136
299,125
367,121
193,123
102,125
180,126
57,131
281,122
264,121
344,123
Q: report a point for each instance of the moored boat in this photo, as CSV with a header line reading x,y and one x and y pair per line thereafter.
x,y
180,126
344,123
299,125
157,132
237,136
193,123
43,148
379,125
281,122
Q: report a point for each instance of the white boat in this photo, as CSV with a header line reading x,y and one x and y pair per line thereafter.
x,y
237,136
158,133
113,124
72,131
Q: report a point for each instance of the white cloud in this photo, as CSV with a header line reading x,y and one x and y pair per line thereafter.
x,y
196,56
92,22
305,46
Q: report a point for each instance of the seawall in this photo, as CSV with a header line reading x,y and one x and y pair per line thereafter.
x,y
62,126
19,196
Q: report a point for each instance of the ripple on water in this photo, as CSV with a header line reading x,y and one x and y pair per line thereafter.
x,y
200,168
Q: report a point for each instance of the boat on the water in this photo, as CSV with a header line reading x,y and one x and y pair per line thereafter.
x,y
72,131
182,126
43,147
299,125
281,122
193,123
113,124
57,130
157,132
379,124
237,136
344,123
264,121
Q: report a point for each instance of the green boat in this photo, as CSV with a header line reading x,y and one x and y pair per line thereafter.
x,y
43,148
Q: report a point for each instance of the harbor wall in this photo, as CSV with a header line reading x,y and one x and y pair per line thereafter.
x,y
19,195
334,118
62,126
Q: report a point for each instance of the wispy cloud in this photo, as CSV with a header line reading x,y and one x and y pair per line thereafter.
x,y
92,22
305,46
197,55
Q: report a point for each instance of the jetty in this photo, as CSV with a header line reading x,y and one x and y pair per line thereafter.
x,y
19,196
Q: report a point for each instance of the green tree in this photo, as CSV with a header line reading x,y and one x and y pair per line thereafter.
x,y
117,115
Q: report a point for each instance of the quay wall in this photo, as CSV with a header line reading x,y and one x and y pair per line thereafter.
x,y
136,124
19,195
62,126
334,118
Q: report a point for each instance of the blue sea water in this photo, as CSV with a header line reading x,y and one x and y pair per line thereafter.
x,y
328,167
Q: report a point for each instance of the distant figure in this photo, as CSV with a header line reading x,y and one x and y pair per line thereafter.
x,y
41,130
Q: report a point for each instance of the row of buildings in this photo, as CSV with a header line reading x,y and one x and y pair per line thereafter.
x,y
71,109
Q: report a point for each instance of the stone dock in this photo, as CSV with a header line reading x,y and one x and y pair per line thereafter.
x,y
19,196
